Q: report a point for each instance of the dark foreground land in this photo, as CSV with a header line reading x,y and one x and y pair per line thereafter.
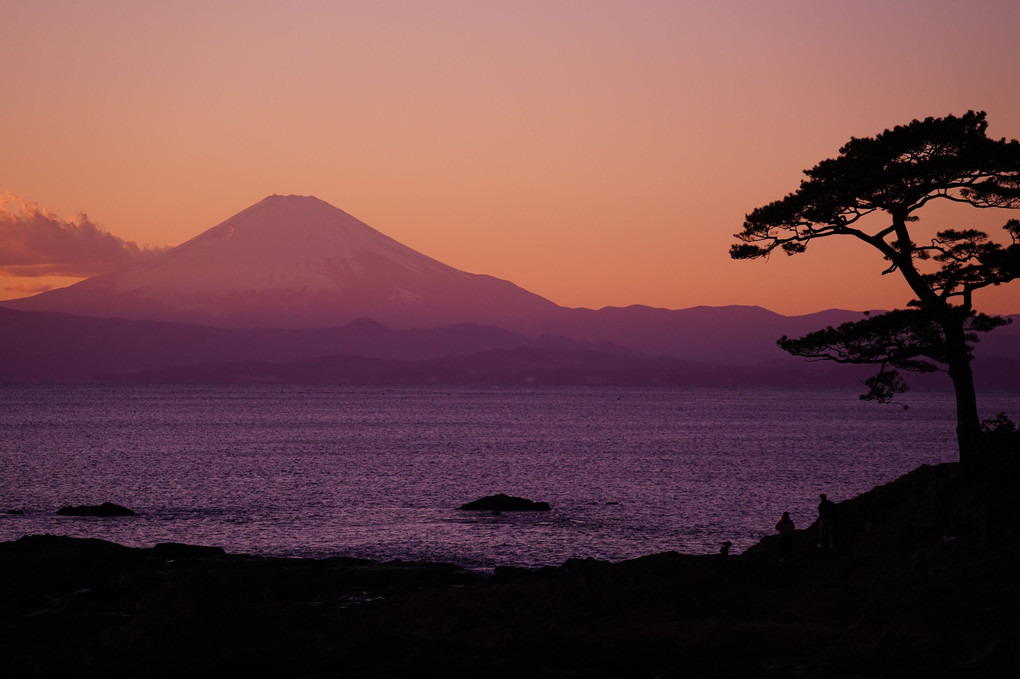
x,y
926,583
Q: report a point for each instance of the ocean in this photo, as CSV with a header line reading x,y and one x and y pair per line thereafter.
x,y
373,472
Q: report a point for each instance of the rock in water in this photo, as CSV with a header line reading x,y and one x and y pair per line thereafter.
x,y
506,503
177,550
105,509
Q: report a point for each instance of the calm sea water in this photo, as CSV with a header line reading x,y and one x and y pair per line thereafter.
x,y
379,472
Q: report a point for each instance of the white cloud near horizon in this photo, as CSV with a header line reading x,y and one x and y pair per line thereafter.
x,y
35,242
29,289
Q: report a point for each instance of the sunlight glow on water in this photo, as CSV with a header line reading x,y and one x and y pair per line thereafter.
x,y
379,472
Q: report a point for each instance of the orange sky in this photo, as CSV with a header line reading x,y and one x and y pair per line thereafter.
x,y
595,152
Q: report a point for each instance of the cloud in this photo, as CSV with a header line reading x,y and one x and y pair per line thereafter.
x,y
28,289
35,242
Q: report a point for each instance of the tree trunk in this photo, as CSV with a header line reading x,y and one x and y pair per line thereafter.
x,y
968,426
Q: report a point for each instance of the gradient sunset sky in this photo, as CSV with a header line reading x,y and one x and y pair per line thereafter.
x,y
595,152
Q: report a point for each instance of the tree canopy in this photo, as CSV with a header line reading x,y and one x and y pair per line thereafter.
x,y
893,175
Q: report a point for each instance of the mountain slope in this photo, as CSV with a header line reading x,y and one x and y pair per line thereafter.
x,y
297,262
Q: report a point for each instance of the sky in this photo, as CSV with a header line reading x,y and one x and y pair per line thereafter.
x,y
596,152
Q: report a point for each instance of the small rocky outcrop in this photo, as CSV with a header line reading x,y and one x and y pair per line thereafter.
x,y
105,509
505,503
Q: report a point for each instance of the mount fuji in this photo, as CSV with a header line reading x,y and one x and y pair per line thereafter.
x,y
295,262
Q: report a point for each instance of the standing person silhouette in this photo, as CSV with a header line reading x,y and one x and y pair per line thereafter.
x,y
785,528
826,523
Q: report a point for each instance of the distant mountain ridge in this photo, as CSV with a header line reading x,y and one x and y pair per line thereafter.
x,y
52,347
531,366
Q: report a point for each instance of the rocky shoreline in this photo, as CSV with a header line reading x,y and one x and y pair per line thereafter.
x,y
924,583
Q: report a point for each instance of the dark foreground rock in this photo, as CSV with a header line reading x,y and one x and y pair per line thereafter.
x,y
505,503
105,509
924,584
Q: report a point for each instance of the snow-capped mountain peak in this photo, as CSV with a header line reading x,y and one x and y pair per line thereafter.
x,y
293,261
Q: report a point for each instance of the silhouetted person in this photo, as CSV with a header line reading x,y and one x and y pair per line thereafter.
x,y
826,523
785,528
724,548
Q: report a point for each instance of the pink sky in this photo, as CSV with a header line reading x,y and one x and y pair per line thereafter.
x,y
594,152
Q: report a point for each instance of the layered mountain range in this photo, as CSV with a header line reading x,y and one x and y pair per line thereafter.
x,y
293,289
